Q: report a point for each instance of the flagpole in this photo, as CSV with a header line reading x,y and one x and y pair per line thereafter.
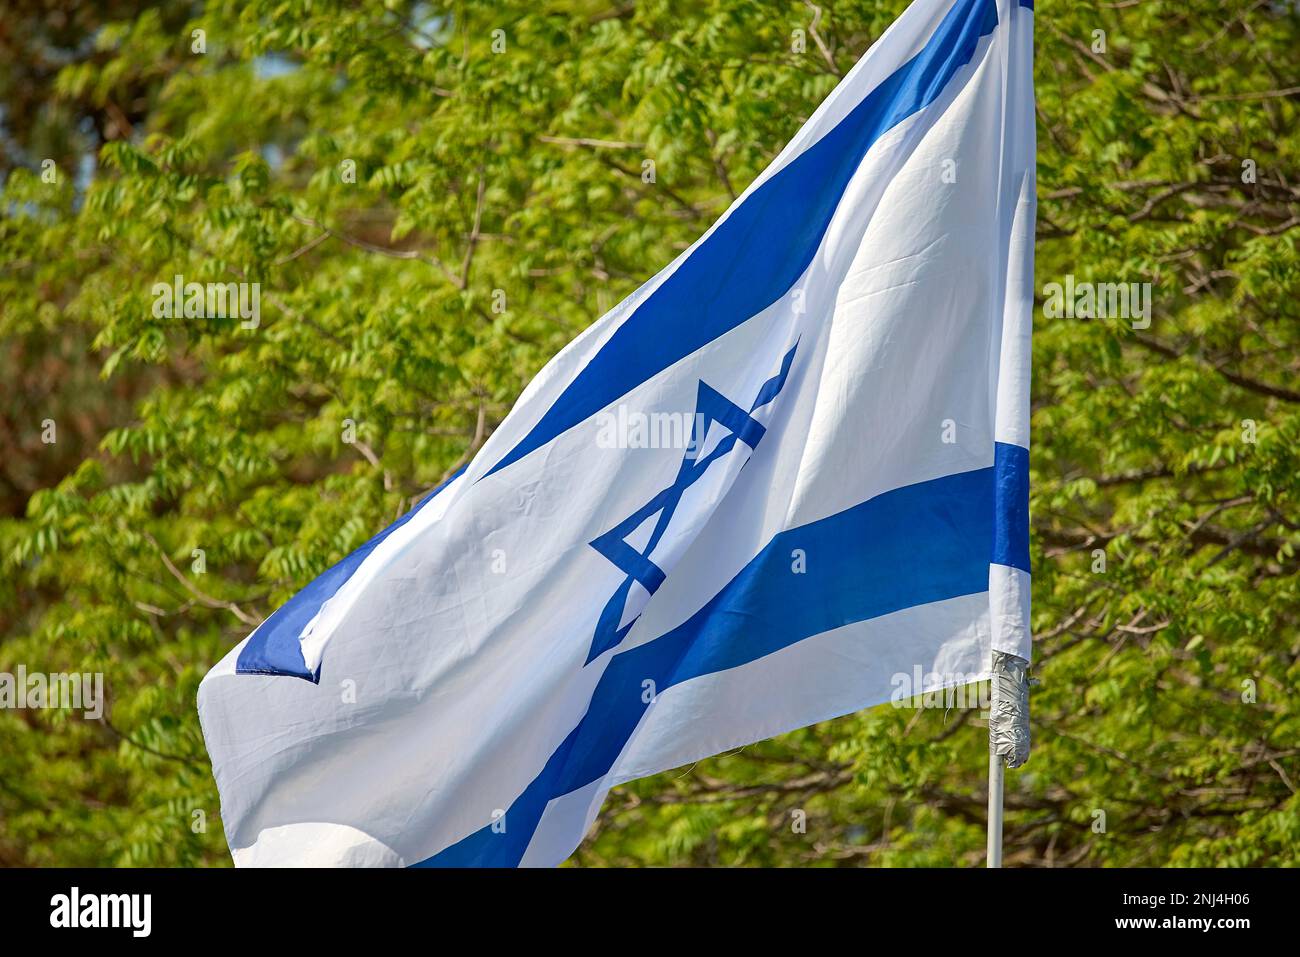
x,y
1008,737
995,809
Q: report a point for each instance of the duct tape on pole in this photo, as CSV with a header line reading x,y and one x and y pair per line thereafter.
x,y
1008,736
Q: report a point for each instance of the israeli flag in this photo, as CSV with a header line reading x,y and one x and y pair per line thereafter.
x,y
788,468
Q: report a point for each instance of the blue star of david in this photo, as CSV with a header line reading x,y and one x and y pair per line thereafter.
x,y
710,406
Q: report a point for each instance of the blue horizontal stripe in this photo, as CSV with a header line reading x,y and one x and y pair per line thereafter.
x,y
1011,506
760,250
275,648
911,546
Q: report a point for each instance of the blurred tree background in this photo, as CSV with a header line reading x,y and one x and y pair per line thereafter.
x,y
394,173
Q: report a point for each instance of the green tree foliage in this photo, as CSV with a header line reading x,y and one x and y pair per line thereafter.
x,y
435,198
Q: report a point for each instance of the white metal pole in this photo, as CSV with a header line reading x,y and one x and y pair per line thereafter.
x,y
995,809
